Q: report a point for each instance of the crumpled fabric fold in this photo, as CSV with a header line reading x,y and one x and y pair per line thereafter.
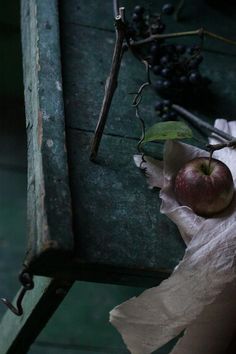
x,y
199,297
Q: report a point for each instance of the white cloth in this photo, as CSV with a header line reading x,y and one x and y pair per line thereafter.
x,y
200,295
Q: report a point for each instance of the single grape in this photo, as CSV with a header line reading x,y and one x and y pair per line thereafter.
x,y
172,115
159,84
165,116
161,28
168,9
166,72
139,10
167,103
190,50
170,49
164,60
131,32
193,64
154,49
193,49
194,77
158,28
183,80
156,69
199,58
166,84
136,17
159,106
180,48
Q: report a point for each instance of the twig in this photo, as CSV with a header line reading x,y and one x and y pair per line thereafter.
x,y
201,32
218,37
116,8
214,147
137,100
111,83
178,10
199,123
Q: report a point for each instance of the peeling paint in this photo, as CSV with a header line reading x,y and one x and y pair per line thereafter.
x,y
50,143
45,116
58,86
110,40
40,128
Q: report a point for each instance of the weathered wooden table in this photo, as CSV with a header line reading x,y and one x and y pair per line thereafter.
x,y
95,221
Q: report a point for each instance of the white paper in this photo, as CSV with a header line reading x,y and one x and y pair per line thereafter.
x,y
199,296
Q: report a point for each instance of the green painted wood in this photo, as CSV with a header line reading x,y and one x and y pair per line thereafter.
x,y
17,333
13,189
10,60
49,207
83,318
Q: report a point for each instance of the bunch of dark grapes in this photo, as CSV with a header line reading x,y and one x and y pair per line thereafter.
x,y
175,67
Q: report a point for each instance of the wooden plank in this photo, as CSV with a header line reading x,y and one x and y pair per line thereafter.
x,y
49,205
17,333
120,235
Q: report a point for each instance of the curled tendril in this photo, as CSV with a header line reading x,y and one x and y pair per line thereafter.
x,y
136,103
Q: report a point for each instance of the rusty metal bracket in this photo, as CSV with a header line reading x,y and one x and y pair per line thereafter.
x,y
26,279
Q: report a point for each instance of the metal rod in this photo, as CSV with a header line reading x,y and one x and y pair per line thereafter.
x,y
26,280
200,123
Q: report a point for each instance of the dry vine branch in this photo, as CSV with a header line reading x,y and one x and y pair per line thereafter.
x,y
201,32
111,82
178,10
214,147
136,102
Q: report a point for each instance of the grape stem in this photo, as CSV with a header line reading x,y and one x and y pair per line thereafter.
x,y
111,82
201,32
178,10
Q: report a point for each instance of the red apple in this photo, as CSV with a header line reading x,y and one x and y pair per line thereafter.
x,y
206,188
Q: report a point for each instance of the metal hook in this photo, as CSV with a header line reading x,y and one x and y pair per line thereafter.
x,y
26,280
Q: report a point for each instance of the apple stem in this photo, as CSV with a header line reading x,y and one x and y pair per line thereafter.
x,y
210,159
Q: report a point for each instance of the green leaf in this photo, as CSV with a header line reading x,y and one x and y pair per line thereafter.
x,y
168,130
